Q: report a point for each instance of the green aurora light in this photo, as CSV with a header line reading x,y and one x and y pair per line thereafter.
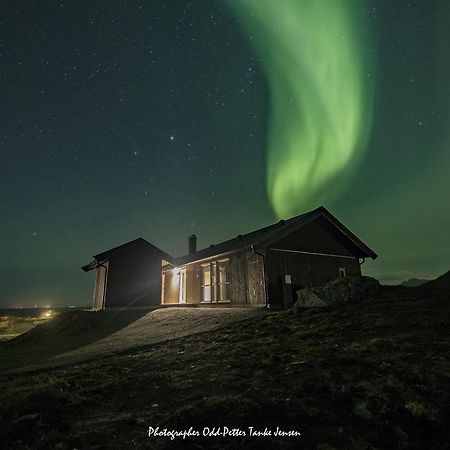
x,y
314,55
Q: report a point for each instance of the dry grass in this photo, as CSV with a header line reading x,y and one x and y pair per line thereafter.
x,y
363,376
11,326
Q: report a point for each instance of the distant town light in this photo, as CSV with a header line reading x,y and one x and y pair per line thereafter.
x,y
46,314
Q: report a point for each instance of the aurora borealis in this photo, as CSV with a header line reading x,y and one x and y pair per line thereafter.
x,y
157,119
314,55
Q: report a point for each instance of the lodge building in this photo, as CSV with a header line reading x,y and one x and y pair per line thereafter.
x,y
261,268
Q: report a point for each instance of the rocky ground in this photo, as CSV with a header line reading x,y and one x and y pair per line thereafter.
x,y
367,375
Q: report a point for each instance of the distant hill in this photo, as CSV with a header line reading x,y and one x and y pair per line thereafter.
x,y
413,282
442,282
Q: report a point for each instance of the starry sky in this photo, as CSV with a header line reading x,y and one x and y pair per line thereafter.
x,y
122,119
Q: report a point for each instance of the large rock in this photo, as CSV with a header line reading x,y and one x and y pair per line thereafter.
x,y
342,290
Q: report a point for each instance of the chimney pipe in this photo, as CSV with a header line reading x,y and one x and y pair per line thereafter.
x,y
192,244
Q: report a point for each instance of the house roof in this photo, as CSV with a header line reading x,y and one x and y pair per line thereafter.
x,y
260,239
134,245
264,237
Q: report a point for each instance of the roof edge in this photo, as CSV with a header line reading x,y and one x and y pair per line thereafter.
x,y
102,257
321,211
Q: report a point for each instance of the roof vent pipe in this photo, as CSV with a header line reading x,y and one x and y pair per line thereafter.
x,y
192,244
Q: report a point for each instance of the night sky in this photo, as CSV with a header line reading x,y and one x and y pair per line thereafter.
x,y
122,119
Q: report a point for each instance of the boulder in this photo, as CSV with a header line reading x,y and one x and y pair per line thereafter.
x,y
341,290
307,298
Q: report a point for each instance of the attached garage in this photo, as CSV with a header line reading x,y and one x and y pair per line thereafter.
x,y
128,275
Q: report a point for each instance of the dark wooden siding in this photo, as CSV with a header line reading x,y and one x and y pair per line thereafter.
x,y
255,279
134,279
305,270
238,279
193,283
319,236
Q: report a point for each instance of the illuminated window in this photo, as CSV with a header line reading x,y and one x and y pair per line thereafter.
x,y
342,272
223,280
182,290
206,282
215,281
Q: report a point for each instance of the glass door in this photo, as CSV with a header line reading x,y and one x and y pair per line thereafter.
x,y
182,294
206,283
223,281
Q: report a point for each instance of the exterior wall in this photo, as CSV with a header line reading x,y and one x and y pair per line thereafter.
x,y
319,236
238,279
305,270
332,250
134,279
171,286
193,283
237,288
170,289
256,289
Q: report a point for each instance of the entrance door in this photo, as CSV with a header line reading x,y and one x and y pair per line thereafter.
x,y
206,283
100,286
182,294
255,278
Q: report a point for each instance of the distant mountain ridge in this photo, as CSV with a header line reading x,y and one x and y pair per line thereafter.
x,y
442,282
413,282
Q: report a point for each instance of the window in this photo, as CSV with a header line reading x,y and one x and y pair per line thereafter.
x,y
342,272
206,282
215,281
223,281
182,283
